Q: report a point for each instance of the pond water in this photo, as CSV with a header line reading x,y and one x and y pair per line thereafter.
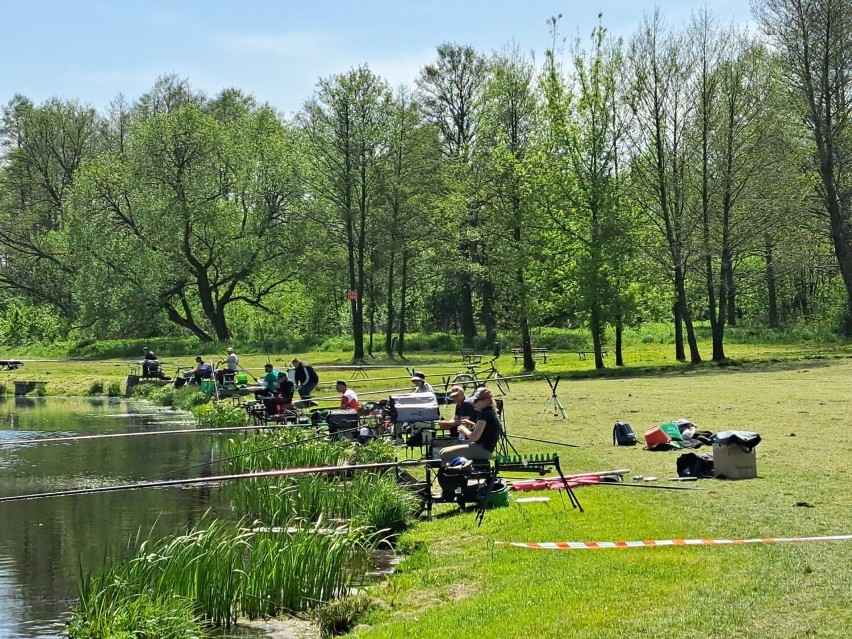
x,y
43,543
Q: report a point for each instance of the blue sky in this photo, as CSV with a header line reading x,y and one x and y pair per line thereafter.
x,y
93,50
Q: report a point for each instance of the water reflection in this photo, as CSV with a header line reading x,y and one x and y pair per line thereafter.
x,y
44,542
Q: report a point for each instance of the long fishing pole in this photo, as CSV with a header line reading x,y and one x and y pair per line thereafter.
x,y
543,441
259,450
286,472
183,431
583,482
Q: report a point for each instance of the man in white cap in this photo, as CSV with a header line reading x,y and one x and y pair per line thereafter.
x,y
465,413
232,363
420,383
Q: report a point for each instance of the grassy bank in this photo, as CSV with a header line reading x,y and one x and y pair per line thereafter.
x,y
106,376
457,583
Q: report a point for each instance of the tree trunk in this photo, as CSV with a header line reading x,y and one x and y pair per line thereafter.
x,y
468,325
732,298
400,344
680,354
619,332
391,310
771,285
596,326
489,322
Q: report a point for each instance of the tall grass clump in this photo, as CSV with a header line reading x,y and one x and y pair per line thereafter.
x,y
228,570
113,389
340,616
284,448
139,615
217,414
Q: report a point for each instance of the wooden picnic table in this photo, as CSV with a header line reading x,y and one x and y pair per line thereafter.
x,y
539,354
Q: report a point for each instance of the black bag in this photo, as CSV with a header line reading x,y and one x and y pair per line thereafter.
x,y
692,465
623,435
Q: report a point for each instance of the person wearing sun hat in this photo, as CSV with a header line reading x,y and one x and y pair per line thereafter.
x,y
420,383
465,413
483,438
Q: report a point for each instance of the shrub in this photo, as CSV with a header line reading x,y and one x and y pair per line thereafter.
x,y
339,616
114,389
96,389
216,415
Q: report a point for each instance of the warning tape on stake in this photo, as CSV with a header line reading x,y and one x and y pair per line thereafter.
x,y
600,545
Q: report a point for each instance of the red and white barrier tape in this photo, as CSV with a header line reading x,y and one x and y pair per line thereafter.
x,y
599,545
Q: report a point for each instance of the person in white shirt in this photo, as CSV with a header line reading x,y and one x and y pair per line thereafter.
x,y
420,383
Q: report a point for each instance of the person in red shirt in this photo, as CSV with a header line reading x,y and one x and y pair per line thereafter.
x,y
348,398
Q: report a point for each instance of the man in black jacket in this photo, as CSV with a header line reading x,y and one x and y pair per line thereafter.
x,y
306,378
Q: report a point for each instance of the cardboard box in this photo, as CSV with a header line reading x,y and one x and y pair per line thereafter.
x,y
734,462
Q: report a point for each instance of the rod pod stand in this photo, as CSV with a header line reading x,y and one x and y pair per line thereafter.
x,y
553,400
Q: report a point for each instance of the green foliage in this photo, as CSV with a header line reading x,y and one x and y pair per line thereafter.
x,y
340,616
114,389
2,388
25,324
132,615
96,389
218,414
223,570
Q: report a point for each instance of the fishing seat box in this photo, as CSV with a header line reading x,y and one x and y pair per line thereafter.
x,y
734,461
416,407
343,420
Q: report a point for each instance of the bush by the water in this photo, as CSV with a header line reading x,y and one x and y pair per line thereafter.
x,y
218,415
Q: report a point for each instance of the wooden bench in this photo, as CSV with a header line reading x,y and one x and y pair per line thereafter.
x,y
582,354
469,356
539,354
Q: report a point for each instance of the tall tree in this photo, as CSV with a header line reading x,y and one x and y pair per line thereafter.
x,y
587,129
814,40
509,122
452,92
44,147
345,127
662,110
194,217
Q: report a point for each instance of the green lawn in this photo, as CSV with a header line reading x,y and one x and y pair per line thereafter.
x,y
455,583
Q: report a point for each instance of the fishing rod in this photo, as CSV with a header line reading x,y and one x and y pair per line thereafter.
x,y
378,392
286,472
543,441
183,431
259,450
584,482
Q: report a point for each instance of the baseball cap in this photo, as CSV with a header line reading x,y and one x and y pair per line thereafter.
x,y
455,390
230,350
418,377
483,393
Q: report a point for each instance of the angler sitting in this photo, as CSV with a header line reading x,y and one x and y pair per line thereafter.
x,y
280,399
150,363
269,382
202,370
485,434
465,413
